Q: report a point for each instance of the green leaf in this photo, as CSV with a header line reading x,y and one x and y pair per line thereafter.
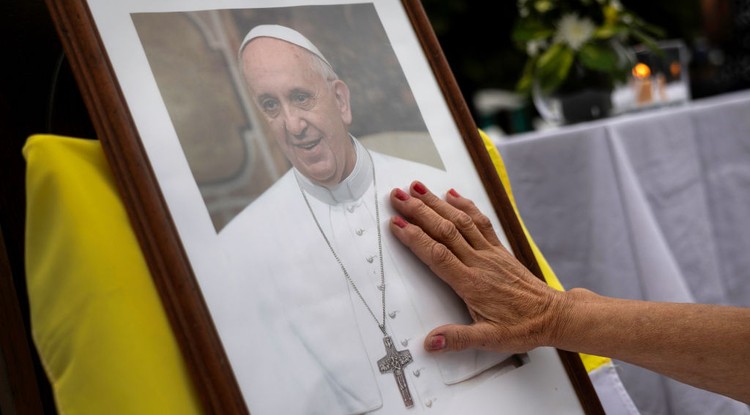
x,y
531,29
553,66
598,57
604,32
609,30
527,78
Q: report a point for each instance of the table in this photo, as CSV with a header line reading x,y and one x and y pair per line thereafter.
x,y
649,206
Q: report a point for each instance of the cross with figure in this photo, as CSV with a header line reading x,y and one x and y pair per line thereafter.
x,y
395,361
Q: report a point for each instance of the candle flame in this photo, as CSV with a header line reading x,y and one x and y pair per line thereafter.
x,y
641,71
675,68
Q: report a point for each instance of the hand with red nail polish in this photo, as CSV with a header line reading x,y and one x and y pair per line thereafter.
x,y
513,311
509,305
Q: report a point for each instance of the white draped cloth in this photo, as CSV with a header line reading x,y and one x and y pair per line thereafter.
x,y
650,206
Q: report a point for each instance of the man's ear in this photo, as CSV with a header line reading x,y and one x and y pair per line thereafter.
x,y
341,91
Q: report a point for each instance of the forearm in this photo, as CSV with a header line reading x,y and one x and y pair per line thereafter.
x,y
702,345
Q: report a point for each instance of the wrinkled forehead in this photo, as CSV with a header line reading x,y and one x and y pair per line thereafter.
x,y
273,66
264,55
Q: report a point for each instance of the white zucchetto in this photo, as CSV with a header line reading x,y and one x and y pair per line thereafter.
x,y
282,33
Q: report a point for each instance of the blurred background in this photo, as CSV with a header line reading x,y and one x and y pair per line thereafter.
x,y
477,40
38,95
475,37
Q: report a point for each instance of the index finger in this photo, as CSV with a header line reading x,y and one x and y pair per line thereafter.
x,y
459,218
441,260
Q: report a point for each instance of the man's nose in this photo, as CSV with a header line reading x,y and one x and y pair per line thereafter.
x,y
294,122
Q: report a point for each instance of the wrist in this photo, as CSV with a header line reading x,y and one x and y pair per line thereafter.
x,y
565,315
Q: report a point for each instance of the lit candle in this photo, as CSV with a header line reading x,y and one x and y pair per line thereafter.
x,y
642,83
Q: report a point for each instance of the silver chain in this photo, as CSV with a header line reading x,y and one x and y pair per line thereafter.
x,y
380,249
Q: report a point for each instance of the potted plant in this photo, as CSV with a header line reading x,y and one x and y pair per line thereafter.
x,y
577,53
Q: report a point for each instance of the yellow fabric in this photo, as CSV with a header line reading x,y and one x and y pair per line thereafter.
x,y
590,362
97,320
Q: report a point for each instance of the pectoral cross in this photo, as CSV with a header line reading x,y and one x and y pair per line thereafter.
x,y
395,361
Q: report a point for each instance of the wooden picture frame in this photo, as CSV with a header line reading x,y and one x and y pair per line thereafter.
x,y
124,57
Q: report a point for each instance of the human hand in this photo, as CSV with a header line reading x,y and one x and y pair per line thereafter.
x,y
513,310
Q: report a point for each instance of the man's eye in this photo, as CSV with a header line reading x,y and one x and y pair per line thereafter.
x,y
270,106
302,99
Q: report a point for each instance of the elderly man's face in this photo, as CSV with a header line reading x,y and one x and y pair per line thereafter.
x,y
308,115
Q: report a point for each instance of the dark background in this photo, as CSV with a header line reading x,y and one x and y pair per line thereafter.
x,y
38,95
476,39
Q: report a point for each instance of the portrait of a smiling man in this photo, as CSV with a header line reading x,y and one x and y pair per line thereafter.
x,y
344,307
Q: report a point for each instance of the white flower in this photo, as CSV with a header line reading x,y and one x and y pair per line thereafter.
x,y
535,46
574,31
616,5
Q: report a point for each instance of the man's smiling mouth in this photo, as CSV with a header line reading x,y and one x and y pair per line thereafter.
x,y
309,145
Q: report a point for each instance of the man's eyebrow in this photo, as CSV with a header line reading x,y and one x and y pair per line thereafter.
x,y
264,96
312,93
298,90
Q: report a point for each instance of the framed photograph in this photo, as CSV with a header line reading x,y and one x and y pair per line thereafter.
x,y
255,143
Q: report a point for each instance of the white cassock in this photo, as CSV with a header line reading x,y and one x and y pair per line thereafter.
x,y
300,339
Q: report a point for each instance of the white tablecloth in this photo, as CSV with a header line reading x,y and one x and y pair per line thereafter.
x,y
650,206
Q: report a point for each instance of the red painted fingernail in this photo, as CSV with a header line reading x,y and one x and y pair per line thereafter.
x,y
437,342
419,188
399,221
454,193
401,195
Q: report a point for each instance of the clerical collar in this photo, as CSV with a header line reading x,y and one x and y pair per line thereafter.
x,y
350,189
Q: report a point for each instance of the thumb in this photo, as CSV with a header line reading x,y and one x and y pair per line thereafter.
x,y
457,337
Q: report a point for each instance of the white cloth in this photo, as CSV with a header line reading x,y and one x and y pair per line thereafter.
x,y
647,206
612,394
319,344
